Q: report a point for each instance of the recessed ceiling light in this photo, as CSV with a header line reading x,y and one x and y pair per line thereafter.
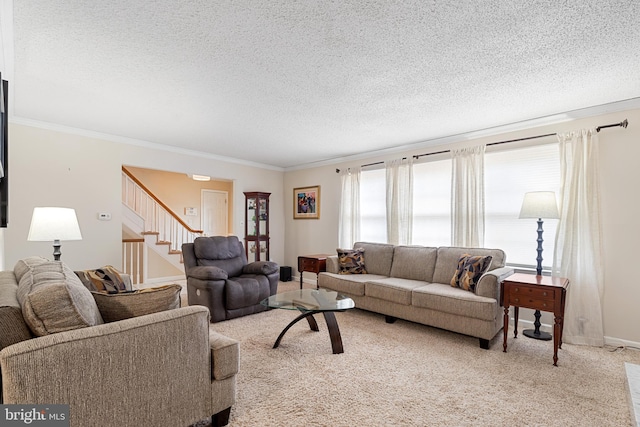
x,y
201,178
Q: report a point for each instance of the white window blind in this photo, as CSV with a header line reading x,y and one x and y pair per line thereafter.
x,y
509,174
373,208
432,203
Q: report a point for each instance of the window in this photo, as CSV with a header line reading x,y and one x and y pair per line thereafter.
x,y
373,210
508,175
432,203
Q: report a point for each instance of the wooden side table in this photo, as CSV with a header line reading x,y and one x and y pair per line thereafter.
x,y
544,293
312,263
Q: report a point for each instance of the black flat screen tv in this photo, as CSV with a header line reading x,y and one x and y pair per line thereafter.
x,y
4,152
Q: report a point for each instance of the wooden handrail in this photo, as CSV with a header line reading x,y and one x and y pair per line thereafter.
x,y
132,240
153,196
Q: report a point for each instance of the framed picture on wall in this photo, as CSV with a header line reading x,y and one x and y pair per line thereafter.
x,y
306,202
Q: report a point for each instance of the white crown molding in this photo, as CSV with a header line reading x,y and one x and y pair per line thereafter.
x,y
598,110
137,142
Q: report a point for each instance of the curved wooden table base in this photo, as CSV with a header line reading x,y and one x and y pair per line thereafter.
x,y
332,325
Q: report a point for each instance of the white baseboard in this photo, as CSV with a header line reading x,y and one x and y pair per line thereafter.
x,y
305,280
164,279
618,342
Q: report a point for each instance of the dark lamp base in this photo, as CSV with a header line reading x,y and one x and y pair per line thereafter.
x,y
541,335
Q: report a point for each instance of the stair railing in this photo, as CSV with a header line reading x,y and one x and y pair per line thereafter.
x,y
158,218
133,260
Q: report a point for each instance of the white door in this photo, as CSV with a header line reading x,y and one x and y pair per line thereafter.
x,y
214,213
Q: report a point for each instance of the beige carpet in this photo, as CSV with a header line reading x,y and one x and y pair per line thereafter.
x,y
405,374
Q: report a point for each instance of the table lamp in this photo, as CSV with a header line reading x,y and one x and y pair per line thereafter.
x,y
55,224
539,204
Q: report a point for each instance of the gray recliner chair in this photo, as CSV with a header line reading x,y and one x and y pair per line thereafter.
x,y
220,278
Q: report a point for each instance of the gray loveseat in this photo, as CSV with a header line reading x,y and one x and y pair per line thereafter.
x,y
413,283
165,368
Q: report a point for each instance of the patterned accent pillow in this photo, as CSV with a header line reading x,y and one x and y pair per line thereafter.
x,y
351,261
124,305
106,279
470,269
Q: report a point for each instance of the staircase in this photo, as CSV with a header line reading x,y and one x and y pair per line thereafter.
x,y
155,226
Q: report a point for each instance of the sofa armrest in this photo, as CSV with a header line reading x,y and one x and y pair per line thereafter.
x,y
332,264
225,356
489,284
126,369
260,267
207,272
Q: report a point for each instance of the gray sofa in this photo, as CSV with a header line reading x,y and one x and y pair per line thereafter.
x,y
413,283
165,368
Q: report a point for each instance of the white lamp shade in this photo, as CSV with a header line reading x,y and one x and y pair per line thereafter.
x,y
48,224
539,204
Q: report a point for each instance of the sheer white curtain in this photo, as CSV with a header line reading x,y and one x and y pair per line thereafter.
x,y
578,251
467,196
349,223
399,186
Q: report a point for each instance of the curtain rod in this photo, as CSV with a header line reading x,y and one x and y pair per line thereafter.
x,y
622,124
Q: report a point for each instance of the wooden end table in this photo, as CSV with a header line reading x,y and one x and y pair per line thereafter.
x,y
312,263
544,293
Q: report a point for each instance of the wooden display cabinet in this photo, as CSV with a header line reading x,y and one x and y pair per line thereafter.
x,y
256,225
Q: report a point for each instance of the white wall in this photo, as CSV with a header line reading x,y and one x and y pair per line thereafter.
x,y
55,168
619,173
49,168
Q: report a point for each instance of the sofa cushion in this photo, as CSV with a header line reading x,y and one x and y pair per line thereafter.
x,y
448,257
104,279
124,305
351,261
392,289
13,328
53,299
469,270
246,291
226,253
457,301
414,262
345,283
378,257
217,247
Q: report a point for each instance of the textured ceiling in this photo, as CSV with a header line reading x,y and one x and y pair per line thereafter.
x,y
285,83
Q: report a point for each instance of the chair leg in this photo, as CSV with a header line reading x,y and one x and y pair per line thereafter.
x,y
221,418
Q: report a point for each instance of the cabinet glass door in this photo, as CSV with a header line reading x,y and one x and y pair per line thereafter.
x,y
251,217
257,226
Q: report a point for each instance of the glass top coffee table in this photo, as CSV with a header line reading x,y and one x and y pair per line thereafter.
x,y
310,302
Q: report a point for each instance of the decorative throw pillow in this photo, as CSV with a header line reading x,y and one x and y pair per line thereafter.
x,y
53,299
119,306
351,261
106,279
470,269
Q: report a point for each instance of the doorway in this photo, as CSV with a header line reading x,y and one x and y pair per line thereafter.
x,y
214,212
